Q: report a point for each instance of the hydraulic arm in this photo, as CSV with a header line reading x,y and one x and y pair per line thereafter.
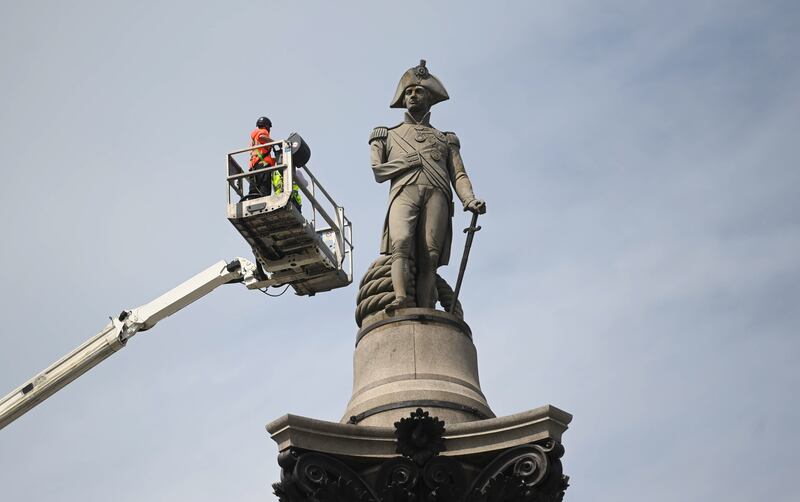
x,y
116,334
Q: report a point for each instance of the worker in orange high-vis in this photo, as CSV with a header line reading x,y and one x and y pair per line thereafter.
x,y
261,158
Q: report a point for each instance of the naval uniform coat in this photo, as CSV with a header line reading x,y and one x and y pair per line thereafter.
x,y
412,153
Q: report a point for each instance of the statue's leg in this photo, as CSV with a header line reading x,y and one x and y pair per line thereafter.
x,y
431,232
403,215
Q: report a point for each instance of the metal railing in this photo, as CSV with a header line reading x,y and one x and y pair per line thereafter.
x,y
340,224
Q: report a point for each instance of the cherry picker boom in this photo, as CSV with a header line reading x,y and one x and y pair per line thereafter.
x,y
116,335
289,250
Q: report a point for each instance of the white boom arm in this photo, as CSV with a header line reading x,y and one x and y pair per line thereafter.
x,y
116,334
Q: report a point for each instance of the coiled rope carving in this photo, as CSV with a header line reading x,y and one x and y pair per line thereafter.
x,y
375,291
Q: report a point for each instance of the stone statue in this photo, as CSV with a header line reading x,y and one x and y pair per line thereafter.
x,y
423,164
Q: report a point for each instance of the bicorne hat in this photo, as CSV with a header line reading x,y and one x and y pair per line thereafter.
x,y
419,75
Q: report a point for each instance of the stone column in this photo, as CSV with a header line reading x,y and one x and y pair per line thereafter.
x,y
418,427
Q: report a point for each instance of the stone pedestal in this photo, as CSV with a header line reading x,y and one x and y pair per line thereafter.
x,y
415,358
418,428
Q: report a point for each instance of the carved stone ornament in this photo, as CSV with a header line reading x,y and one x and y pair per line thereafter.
x,y
319,478
419,436
530,473
314,477
527,473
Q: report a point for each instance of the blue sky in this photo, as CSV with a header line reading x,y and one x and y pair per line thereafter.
x,y
638,264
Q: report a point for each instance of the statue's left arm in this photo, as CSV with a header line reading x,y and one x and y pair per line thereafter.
x,y
459,178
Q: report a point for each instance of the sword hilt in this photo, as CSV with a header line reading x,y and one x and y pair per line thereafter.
x,y
473,225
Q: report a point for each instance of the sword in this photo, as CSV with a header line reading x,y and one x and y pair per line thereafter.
x,y
470,231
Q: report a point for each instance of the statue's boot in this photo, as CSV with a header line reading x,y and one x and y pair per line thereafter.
x,y
427,262
400,277
402,302
426,289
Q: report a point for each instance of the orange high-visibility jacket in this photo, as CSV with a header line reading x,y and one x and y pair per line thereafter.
x,y
258,137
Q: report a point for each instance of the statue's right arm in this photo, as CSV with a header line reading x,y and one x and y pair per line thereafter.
x,y
385,169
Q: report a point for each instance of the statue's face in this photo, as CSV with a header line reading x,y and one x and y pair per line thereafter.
x,y
417,98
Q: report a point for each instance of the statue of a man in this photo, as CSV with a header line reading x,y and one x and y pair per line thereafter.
x,y
423,164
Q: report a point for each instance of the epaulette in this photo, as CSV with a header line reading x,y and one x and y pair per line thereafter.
x,y
378,133
453,139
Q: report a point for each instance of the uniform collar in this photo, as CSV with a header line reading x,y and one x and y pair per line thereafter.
x,y
426,119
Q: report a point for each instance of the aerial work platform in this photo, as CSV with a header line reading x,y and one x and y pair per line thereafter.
x,y
312,255
290,250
